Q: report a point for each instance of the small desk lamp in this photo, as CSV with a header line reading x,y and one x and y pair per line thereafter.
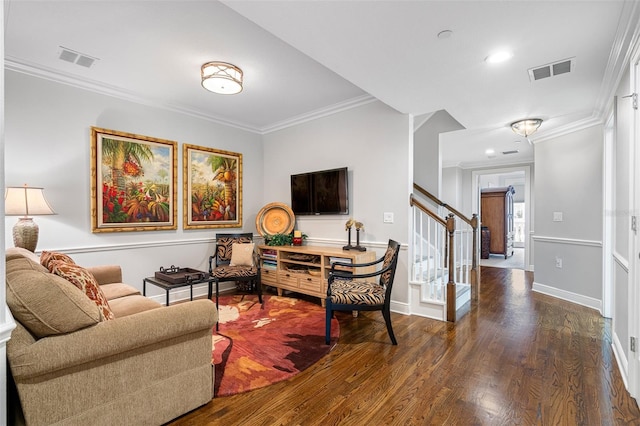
x,y
24,201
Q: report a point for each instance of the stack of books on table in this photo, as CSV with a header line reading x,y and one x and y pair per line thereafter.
x,y
333,260
269,259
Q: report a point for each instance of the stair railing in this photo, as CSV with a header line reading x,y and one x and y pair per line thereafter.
x,y
467,247
434,255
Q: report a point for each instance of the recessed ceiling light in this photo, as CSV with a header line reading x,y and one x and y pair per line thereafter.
x,y
445,34
498,57
490,153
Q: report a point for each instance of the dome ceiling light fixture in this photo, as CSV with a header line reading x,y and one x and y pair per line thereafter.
x,y
221,77
526,127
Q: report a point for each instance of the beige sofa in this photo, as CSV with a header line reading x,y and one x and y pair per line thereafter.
x,y
147,366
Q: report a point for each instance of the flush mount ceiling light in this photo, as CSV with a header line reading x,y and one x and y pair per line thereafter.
x,y
221,77
526,127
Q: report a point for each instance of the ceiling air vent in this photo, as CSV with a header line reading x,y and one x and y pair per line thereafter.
x,y
76,57
561,67
514,151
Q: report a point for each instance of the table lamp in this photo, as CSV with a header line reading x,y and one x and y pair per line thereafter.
x,y
24,201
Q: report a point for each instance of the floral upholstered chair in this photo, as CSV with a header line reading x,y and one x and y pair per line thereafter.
x,y
235,259
349,292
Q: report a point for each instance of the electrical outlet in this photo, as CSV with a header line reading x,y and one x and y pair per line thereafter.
x,y
558,262
387,217
557,216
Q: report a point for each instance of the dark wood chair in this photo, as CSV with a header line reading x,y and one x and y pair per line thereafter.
x,y
348,292
243,268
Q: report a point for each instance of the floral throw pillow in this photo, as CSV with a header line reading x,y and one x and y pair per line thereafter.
x,y
85,281
49,256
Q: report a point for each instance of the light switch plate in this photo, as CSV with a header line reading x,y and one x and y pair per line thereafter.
x,y
557,216
387,217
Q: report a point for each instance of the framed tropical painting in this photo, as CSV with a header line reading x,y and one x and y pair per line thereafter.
x,y
212,191
134,182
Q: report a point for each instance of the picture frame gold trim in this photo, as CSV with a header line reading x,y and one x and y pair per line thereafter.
x,y
134,182
212,188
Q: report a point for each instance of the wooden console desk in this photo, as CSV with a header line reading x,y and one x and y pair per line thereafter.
x,y
305,269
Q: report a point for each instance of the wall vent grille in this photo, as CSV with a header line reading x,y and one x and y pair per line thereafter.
x,y
77,58
550,70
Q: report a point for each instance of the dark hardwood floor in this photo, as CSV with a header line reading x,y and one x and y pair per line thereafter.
x,y
516,358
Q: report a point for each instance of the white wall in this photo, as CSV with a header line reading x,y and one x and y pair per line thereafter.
x,y
47,143
622,148
568,179
472,179
375,143
427,161
622,155
499,176
452,187
514,179
6,321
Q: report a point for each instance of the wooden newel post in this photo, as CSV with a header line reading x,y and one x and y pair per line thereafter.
x,y
451,285
475,272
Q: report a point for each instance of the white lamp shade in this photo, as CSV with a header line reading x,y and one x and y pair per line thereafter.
x,y
25,201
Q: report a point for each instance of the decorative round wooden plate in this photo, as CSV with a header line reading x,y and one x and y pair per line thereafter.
x,y
275,218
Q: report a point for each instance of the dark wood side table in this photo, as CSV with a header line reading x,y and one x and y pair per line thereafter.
x,y
168,286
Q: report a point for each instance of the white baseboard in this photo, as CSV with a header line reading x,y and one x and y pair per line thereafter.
x,y
568,296
400,308
201,290
621,357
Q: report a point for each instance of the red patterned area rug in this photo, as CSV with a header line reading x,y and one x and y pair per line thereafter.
x,y
258,346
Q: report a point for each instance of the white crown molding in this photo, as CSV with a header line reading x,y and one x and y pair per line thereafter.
x,y
489,164
568,129
56,76
450,164
319,113
624,44
34,70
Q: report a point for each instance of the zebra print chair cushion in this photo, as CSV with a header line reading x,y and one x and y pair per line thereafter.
x,y
226,271
388,258
356,292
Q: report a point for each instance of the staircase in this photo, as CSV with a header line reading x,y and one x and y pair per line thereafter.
x,y
444,268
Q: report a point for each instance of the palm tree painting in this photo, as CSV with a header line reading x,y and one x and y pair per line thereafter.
x,y
213,188
133,182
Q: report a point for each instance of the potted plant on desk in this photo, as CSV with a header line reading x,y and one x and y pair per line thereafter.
x,y
282,239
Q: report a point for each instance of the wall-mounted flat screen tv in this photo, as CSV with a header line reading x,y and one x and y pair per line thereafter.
x,y
321,192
